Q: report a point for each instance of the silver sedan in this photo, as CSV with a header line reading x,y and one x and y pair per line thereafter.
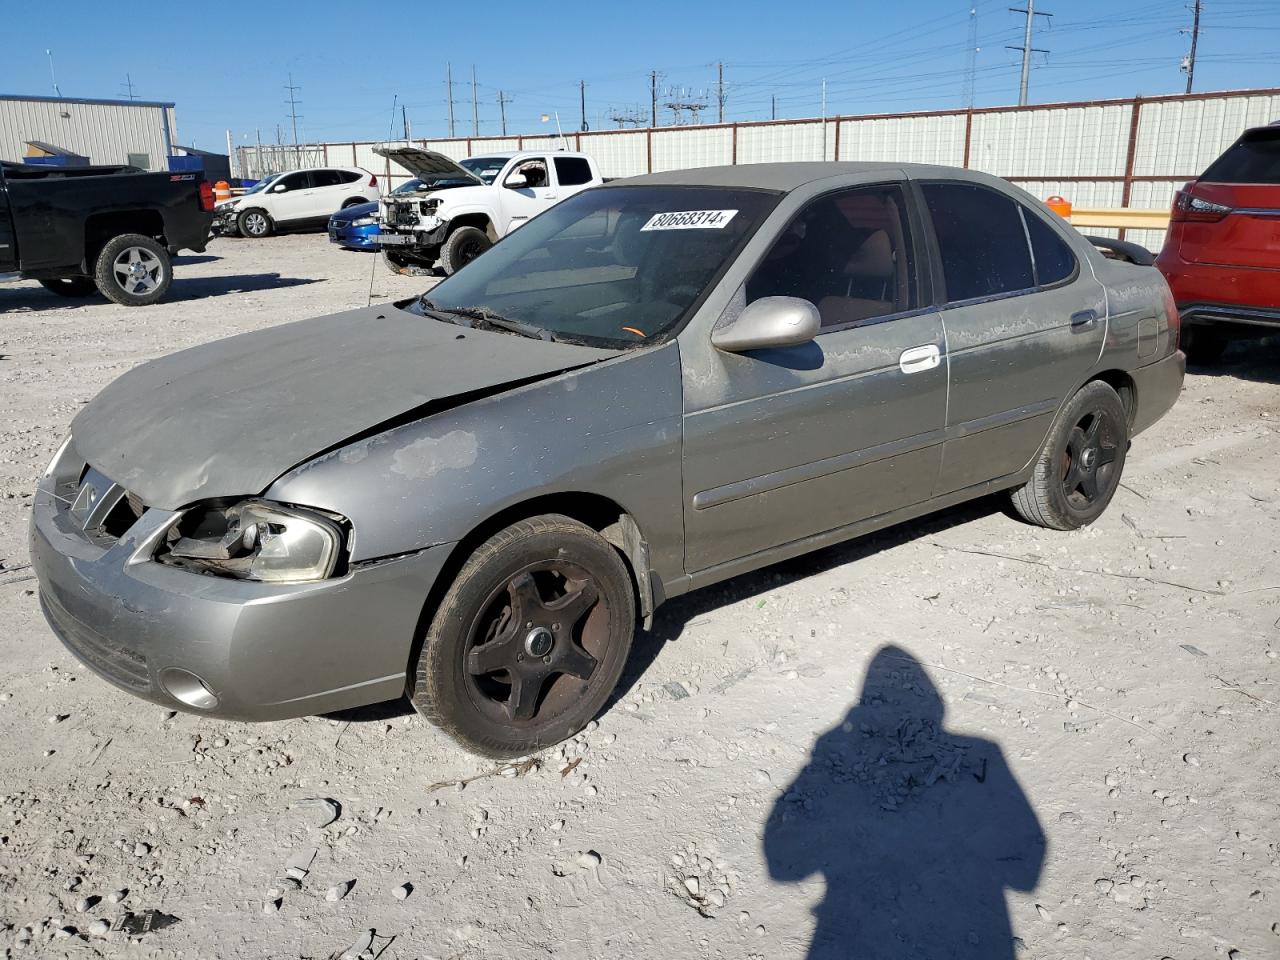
x,y
656,385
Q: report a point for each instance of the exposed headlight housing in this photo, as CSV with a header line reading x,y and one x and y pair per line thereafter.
x,y
429,206
255,540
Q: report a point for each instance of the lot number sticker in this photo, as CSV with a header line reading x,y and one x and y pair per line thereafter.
x,y
690,220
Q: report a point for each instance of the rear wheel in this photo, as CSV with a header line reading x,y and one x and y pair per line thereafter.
x,y
529,640
70,286
1080,464
133,270
461,247
254,223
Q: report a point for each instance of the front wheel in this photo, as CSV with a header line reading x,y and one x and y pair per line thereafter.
x,y
1080,463
70,286
133,270
254,223
461,247
529,640
405,265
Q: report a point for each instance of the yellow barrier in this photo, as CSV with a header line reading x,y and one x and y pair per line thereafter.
x,y
1122,217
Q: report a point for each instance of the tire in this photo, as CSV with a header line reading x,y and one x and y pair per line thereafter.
x,y
1080,464
70,286
1203,344
255,224
133,270
461,247
405,265
529,640
353,201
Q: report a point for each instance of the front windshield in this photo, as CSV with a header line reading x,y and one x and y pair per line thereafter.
x,y
613,266
409,186
263,184
486,168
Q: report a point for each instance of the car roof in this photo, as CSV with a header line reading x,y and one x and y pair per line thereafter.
x,y
786,177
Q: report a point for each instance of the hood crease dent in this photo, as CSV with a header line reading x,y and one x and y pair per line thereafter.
x,y
227,418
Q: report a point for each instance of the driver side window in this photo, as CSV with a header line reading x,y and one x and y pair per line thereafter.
x,y
848,253
534,173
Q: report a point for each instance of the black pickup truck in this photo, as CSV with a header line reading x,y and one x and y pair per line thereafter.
x,y
75,229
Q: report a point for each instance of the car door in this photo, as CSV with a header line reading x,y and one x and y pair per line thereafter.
x,y
290,197
328,190
785,444
528,189
1024,319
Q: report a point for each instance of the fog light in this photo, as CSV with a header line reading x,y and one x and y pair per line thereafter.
x,y
187,687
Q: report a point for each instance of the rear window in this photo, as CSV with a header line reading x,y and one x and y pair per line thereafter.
x,y
981,240
1254,158
571,171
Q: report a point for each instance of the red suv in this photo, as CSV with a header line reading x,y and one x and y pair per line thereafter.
x,y
1221,255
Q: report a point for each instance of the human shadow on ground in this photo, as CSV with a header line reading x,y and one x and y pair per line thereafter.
x,y
917,831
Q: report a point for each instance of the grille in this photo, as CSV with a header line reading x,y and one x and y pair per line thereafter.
x,y
120,664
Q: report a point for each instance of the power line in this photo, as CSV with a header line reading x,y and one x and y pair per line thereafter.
x,y
1027,48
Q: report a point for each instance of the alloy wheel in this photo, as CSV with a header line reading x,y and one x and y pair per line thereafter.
x,y
1088,461
137,270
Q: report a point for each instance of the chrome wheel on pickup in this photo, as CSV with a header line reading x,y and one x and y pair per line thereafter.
x,y
133,270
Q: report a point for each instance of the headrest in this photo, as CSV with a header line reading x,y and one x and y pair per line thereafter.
x,y
874,258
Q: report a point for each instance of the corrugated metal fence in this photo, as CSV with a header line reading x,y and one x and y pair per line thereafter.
x,y
1104,153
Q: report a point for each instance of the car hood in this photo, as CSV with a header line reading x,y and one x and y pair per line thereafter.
x,y
227,418
427,164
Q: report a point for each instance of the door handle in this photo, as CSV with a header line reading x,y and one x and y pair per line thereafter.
x,y
1084,318
919,359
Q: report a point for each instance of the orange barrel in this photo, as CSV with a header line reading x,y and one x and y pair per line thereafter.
x,y
1060,206
221,191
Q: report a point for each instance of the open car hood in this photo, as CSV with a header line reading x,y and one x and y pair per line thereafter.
x,y
426,165
227,418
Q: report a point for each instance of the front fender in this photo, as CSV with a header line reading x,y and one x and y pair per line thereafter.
x,y
612,429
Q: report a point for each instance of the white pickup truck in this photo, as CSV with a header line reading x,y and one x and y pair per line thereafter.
x,y
453,226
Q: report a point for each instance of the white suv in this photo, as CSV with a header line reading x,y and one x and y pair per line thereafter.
x,y
294,200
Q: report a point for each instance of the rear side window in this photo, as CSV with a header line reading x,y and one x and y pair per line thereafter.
x,y
1254,158
349,176
1054,261
571,171
981,240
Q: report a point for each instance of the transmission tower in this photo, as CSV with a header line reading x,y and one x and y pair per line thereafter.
x,y
629,117
678,101
128,86
1026,48
971,68
294,103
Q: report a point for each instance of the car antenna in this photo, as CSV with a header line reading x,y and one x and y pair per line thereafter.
x,y
368,302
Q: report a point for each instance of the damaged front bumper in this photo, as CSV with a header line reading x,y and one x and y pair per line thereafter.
x,y
227,648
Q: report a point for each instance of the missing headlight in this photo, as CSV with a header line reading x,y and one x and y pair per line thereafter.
x,y
256,540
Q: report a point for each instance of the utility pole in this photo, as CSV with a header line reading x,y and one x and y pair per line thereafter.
x,y
582,92
404,121
293,113
448,84
1026,48
653,98
128,86
503,100
475,114
1189,64
773,107
824,118
52,75
720,90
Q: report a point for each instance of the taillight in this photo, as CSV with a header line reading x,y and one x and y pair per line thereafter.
x,y
206,196
373,180
1174,318
1188,208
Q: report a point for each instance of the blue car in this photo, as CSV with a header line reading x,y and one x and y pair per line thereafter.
x,y
356,227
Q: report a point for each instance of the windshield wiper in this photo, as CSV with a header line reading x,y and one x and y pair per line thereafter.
x,y
490,319
436,313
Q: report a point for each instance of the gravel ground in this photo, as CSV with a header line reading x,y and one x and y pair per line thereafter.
x,y
963,737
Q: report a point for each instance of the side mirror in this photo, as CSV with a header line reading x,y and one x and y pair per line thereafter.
x,y
769,322
279,188
516,182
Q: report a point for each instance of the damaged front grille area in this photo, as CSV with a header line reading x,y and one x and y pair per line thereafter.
x,y
100,509
124,666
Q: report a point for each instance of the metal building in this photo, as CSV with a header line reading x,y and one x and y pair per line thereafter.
x,y
137,132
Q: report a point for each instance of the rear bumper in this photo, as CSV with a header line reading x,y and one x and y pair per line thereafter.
x,y
226,648
1156,389
1209,293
